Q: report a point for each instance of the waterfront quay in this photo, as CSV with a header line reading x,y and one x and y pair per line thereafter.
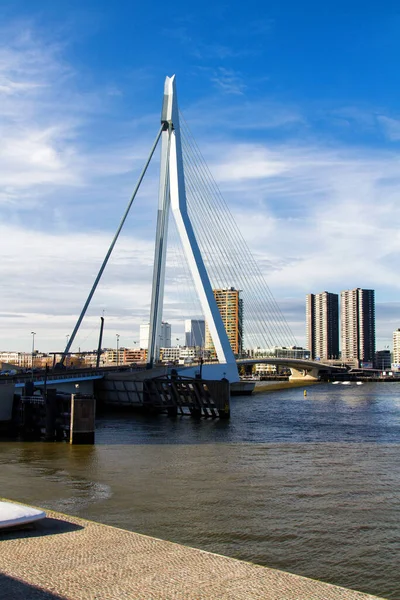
x,y
68,558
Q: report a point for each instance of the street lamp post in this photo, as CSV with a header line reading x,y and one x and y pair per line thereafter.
x,y
117,336
33,333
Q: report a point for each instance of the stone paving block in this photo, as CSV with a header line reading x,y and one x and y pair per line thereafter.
x,y
67,558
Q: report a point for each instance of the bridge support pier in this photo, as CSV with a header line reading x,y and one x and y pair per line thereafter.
x,y
306,374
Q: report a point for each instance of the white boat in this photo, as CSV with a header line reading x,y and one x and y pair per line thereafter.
x,y
346,382
13,515
242,388
360,383
335,382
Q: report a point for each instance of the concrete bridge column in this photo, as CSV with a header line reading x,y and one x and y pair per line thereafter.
x,y
306,374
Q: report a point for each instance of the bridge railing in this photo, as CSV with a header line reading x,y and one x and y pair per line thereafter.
x,y
64,374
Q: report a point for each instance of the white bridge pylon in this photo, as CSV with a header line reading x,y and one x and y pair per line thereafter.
x,y
172,196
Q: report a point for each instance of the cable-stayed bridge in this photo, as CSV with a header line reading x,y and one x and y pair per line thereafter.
x,y
213,254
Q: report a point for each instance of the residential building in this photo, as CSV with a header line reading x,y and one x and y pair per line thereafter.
x,y
181,354
11,358
90,359
310,324
170,355
396,350
19,359
165,335
191,354
357,327
194,333
322,322
112,358
134,355
230,306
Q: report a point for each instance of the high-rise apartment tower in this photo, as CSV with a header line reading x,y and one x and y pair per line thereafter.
x,y
357,324
396,347
230,306
322,318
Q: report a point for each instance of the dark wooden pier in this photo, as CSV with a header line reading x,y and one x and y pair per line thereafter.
x,y
51,415
196,397
56,417
154,391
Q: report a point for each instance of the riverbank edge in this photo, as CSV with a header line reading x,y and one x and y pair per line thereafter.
x,y
74,555
282,385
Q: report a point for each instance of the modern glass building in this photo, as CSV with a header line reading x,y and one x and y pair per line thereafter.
x,y
194,333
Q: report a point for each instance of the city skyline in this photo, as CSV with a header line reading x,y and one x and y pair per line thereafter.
x,y
308,165
356,327
322,325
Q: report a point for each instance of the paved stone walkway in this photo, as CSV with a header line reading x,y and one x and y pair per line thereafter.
x,y
67,558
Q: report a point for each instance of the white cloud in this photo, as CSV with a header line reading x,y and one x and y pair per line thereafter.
x,y
228,81
248,161
35,146
260,114
49,122
391,127
317,216
48,276
340,216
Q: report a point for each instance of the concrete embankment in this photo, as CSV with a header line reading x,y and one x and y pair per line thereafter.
x,y
273,386
68,558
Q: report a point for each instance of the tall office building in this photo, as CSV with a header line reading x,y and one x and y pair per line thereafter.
x,y
194,332
165,336
322,319
396,347
230,306
357,327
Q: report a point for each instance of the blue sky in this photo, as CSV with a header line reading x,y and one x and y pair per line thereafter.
x,y
294,106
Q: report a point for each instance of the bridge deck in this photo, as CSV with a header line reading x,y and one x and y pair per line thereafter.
x,y
73,559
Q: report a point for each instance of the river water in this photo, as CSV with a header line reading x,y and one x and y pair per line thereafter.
x,y
308,484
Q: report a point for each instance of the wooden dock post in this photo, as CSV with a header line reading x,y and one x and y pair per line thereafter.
x,y
172,411
220,392
51,414
83,413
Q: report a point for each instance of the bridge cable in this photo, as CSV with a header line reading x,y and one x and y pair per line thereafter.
x,y
238,235
233,249
110,249
211,204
